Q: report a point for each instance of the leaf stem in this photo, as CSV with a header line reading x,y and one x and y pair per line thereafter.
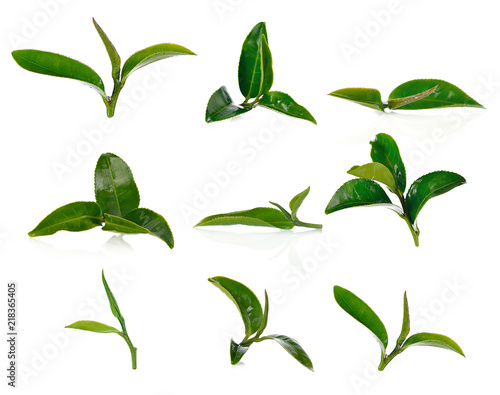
x,y
386,359
413,229
133,350
308,225
111,105
253,103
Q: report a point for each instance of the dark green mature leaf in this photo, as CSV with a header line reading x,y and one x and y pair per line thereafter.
x,y
115,188
365,96
375,171
297,200
267,66
113,304
283,103
221,106
293,348
359,192
73,217
445,95
152,54
432,339
394,104
237,351
244,299
93,326
361,312
110,48
429,186
405,329
385,150
260,216
50,63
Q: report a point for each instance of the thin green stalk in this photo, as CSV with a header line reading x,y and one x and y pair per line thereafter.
x,y
414,232
111,105
307,224
386,359
133,350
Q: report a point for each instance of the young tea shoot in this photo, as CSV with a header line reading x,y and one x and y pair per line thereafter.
x,y
255,77
255,321
61,66
93,326
116,207
264,216
418,94
388,168
362,313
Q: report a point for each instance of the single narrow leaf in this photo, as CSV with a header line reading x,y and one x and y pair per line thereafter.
x,y
394,104
50,63
429,186
93,326
283,210
377,172
115,188
293,348
405,329
445,95
267,66
361,312
244,299
237,351
263,323
152,54
73,217
251,65
297,200
365,96
385,150
434,340
112,53
221,106
113,304
260,216
284,104
359,192
113,223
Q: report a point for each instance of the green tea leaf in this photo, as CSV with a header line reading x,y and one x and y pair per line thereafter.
x,y
297,200
283,210
50,63
375,171
284,104
112,53
260,216
267,66
221,106
73,217
361,312
445,95
237,351
113,304
405,330
244,299
93,326
394,104
429,186
365,96
115,188
152,54
385,150
263,324
432,339
293,348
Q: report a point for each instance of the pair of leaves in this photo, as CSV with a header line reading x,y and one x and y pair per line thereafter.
x,y
53,64
263,216
255,77
255,321
388,168
117,206
361,312
98,327
417,94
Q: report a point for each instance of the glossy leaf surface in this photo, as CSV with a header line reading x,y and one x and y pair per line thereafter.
x,y
283,103
361,312
113,304
434,340
297,200
405,329
429,186
112,53
385,150
237,351
394,104
260,216
365,96
375,171
267,66
244,299
221,106
93,326
115,188
73,217
265,317
445,95
293,348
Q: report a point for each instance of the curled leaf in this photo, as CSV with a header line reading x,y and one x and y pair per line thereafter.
x,y
377,172
260,216
293,348
283,103
112,53
385,151
237,351
434,340
394,104
221,106
297,200
365,96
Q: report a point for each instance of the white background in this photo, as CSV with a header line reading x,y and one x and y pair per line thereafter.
x,y
180,323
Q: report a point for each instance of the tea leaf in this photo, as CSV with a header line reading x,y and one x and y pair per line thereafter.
x,y
260,216
93,326
244,299
394,104
293,348
297,200
112,53
385,150
283,103
267,66
283,210
434,340
237,351
365,96
73,217
405,330
112,302
263,324
221,106
377,172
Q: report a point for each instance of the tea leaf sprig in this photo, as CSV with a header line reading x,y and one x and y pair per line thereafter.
x,y
264,216
50,63
388,169
93,326
116,206
417,94
361,312
255,77
255,321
